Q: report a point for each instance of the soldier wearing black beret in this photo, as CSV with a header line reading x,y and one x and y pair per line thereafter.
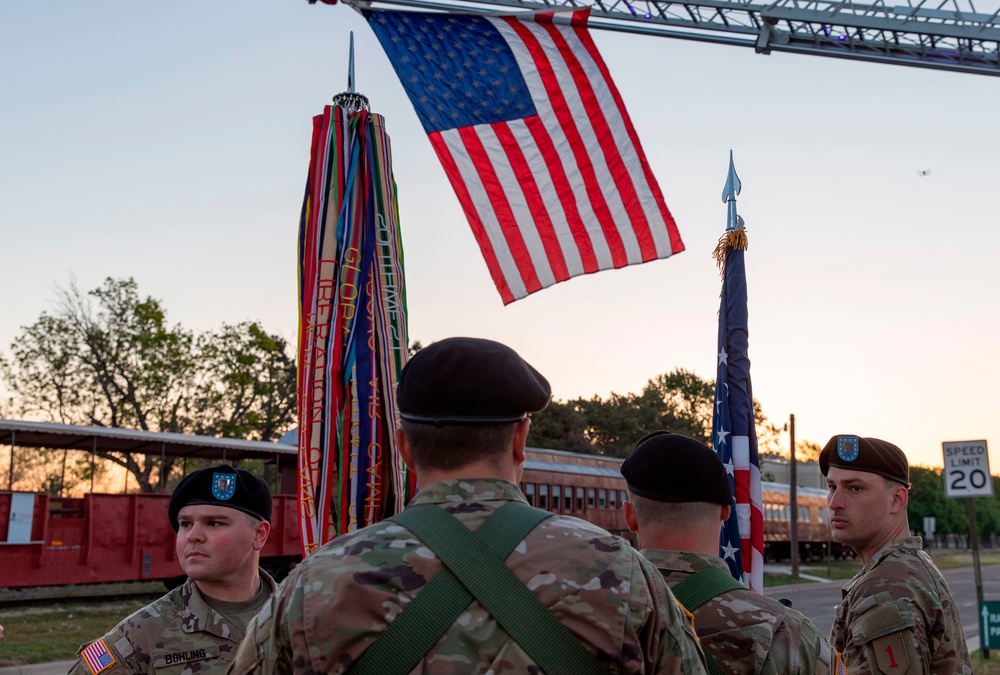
x,y
679,495
464,405
898,614
222,518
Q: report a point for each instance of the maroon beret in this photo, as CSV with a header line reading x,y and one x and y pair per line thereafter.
x,y
865,454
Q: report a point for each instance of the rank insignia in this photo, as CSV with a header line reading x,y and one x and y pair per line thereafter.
x,y
223,485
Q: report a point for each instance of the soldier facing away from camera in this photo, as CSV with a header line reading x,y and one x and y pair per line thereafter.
x,y
898,615
678,498
469,578
222,518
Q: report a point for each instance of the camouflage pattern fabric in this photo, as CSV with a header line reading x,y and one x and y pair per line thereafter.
x,y
747,632
178,634
899,616
342,597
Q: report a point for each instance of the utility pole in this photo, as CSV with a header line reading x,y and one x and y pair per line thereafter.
x,y
793,479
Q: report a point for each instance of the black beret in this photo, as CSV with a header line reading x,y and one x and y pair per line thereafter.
x,y
674,468
224,486
865,454
469,381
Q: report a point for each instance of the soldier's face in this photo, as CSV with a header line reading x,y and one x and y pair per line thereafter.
x,y
860,505
215,543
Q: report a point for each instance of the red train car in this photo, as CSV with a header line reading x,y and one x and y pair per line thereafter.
x,y
101,538
585,486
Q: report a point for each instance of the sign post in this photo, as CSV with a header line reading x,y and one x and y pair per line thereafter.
x,y
966,475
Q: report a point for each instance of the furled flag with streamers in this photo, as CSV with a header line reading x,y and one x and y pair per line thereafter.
x,y
734,436
352,332
536,142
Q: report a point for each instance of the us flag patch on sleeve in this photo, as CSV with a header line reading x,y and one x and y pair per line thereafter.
x,y
98,657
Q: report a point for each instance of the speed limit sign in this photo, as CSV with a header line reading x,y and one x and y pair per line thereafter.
x,y
967,469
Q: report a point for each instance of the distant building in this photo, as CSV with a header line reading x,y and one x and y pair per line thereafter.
x,y
775,469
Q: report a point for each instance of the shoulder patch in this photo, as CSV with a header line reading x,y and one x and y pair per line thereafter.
x,y
890,654
97,656
838,667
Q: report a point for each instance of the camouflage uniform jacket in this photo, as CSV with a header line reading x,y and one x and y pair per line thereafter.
x,y
899,616
747,632
179,634
343,596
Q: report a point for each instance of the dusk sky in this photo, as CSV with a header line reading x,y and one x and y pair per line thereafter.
x,y
169,142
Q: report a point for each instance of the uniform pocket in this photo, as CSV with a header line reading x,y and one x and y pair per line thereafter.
x,y
886,633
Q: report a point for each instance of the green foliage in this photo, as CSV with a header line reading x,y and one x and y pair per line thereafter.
x,y
927,498
110,358
679,401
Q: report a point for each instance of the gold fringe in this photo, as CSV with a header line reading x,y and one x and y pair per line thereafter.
x,y
737,239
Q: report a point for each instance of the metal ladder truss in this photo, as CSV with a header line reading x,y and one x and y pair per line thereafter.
x,y
948,35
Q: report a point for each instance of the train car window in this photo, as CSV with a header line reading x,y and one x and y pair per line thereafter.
x,y
569,499
614,499
591,494
804,514
543,497
529,492
622,496
579,500
557,498
603,497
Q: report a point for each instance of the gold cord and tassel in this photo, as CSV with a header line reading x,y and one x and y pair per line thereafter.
x,y
737,239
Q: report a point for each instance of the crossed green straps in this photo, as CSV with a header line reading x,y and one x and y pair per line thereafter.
x,y
474,569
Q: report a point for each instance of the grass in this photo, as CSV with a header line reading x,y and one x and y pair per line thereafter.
x,y
945,559
980,667
55,632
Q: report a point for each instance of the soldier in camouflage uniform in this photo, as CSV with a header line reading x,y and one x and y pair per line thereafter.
x,y
678,498
221,516
463,404
898,615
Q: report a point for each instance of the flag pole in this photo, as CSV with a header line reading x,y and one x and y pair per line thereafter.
x,y
734,436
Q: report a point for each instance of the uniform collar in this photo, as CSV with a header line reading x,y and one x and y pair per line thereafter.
x,y
197,616
682,561
882,554
468,489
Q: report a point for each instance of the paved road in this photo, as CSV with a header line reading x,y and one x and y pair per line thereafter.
x,y
818,600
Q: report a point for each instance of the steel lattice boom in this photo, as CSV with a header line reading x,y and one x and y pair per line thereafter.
x,y
945,35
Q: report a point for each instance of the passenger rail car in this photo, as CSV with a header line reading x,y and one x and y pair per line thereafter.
x,y
105,538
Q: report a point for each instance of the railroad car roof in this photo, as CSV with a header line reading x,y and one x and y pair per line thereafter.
x,y
85,438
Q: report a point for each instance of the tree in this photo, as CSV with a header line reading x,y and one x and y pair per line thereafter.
x,y
110,358
247,388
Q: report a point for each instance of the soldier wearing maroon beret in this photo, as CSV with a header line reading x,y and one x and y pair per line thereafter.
x,y
898,615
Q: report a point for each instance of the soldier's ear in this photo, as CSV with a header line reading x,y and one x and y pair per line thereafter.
x,y
262,529
630,521
900,498
403,447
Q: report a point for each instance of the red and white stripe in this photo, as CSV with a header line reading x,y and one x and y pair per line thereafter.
x,y
567,191
750,513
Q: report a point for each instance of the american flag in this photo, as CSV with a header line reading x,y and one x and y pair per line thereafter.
x,y
97,657
536,142
734,436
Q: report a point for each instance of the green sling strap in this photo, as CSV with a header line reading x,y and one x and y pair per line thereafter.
x,y
698,589
474,569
